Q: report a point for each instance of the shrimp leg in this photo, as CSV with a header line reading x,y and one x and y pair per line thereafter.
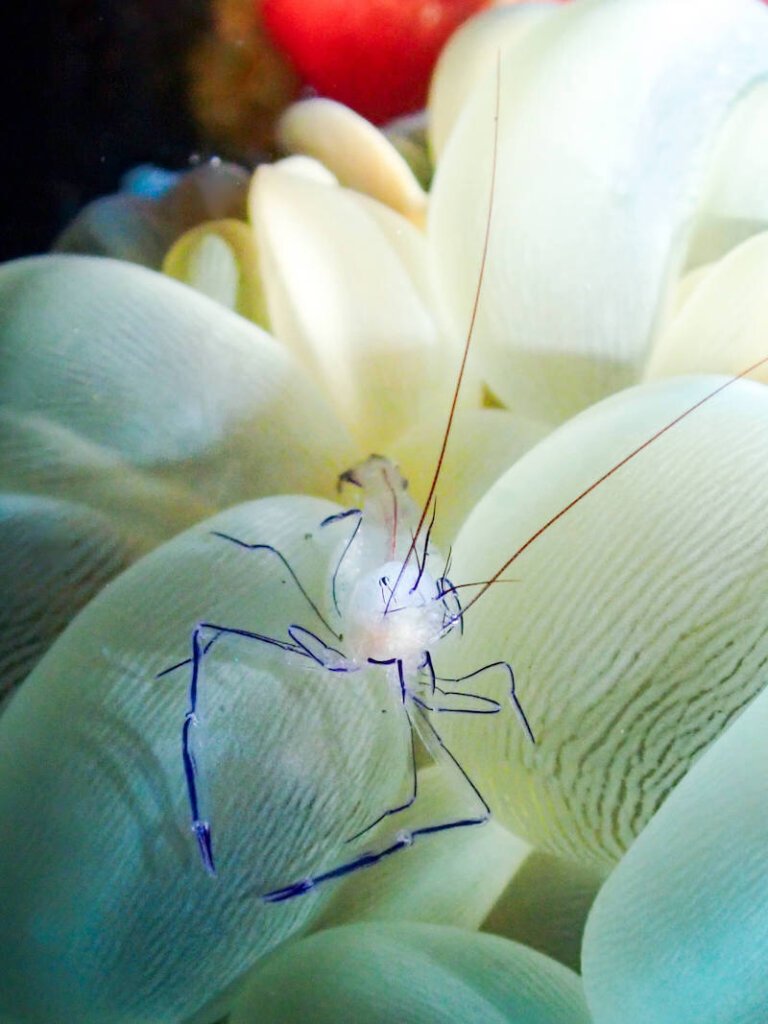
x,y
404,839
488,706
201,645
411,799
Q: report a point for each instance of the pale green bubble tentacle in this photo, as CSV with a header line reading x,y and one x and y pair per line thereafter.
x,y
219,259
360,156
423,974
545,906
680,930
638,625
468,55
45,458
721,326
734,205
127,227
609,116
54,557
348,290
108,914
165,378
122,227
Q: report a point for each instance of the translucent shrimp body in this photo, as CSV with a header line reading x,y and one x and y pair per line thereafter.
x,y
391,607
393,613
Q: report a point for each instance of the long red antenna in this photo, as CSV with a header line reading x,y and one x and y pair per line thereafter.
x,y
614,469
468,341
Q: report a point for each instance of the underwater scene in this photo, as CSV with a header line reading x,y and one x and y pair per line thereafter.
x,y
384,526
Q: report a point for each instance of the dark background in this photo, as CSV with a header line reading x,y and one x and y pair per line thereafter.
x,y
93,88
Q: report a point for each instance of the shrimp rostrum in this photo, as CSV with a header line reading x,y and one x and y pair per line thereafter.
x,y
390,601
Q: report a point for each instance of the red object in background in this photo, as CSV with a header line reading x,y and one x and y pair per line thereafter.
x,y
374,55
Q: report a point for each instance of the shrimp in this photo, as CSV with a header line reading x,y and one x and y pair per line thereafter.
x,y
393,608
